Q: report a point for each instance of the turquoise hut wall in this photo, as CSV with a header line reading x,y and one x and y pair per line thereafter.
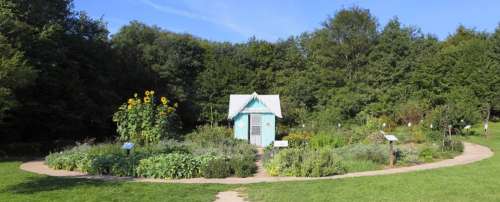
x,y
241,122
268,129
241,126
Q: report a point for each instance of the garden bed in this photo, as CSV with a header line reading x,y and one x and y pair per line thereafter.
x,y
208,153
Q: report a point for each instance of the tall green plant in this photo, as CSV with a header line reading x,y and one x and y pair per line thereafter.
x,y
145,121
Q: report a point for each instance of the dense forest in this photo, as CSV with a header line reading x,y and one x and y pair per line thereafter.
x,y
62,75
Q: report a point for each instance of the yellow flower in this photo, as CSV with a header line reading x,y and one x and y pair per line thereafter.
x,y
164,100
147,100
135,95
152,93
130,101
147,93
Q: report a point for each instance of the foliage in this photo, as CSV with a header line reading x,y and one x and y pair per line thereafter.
x,y
15,73
243,167
145,122
216,168
170,166
375,152
326,140
304,162
298,139
67,75
207,135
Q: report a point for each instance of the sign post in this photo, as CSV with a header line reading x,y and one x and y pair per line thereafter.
x,y
278,144
392,157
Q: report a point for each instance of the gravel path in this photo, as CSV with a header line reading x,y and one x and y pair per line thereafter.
x,y
472,153
228,196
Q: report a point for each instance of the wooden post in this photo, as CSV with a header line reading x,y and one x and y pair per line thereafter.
x,y
391,156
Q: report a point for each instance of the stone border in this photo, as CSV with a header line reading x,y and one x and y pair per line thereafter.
x,y
472,153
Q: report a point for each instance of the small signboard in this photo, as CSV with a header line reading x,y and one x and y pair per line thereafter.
x,y
127,145
391,138
281,143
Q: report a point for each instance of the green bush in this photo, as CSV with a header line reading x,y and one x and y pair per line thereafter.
x,y
243,167
286,162
325,140
169,166
216,168
373,152
210,135
359,165
318,163
453,146
69,159
407,156
304,162
427,154
298,139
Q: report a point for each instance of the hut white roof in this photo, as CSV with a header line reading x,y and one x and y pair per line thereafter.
x,y
237,103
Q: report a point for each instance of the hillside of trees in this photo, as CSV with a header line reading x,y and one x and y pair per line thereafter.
x,y
62,75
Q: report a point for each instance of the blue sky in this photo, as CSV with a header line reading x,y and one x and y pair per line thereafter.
x,y
238,20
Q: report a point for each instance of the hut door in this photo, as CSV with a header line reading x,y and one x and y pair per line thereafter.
x,y
255,129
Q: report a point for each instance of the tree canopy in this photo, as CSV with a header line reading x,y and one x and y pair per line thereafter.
x,y
62,76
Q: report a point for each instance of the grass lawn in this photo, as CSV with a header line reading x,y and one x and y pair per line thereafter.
x,y
17,185
476,182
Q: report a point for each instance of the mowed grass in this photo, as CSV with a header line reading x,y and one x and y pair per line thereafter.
x,y
476,182
17,185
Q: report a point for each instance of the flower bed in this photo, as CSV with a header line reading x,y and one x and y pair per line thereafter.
x,y
208,152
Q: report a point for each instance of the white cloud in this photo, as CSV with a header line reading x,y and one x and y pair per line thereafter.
x,y
217,20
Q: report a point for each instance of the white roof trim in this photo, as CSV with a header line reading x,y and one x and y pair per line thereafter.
x,y
238,102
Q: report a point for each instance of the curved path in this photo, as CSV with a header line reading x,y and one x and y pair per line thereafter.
x,y
472,153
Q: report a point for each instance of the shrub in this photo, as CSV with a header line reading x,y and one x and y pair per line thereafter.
x,y
411,111
407,156
218,141
145,122
69,159
169,166
427,154
324,139
304,162
216,168
210,135
243,167
372,152
318,163
298,139
359,165
453,145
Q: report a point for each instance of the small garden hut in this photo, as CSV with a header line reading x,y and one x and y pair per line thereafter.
x,y
254,117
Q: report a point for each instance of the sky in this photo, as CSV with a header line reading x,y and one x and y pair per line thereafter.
x,y
238,20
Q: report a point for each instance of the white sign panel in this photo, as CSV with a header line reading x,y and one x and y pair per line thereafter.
x,y
391,137
281,143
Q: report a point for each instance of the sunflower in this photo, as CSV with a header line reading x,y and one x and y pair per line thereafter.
x,y
164,100
146,93
147,100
